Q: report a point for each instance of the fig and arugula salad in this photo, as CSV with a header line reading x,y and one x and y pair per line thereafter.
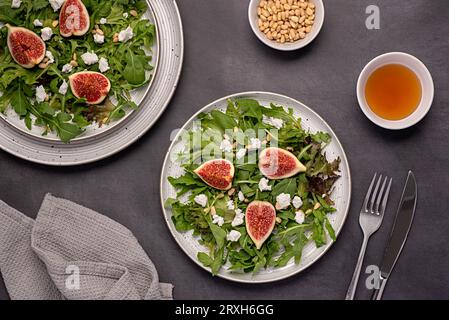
x,y
68,64
256,187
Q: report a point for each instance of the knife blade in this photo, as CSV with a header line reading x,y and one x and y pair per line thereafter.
x,y
400,231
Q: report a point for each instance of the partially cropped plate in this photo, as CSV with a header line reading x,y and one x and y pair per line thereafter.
x,y
137,96
116,137
341,194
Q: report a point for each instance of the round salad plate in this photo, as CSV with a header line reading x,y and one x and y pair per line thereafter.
x,y
100,142
341,194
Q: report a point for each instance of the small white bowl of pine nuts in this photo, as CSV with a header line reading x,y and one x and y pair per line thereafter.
x,y
286,25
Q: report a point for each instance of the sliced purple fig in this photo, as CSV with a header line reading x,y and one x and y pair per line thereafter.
x,y
74,19
25,46
276,164
260,220
217,173
92,86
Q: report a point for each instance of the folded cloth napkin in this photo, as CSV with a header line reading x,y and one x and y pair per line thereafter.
x,y
71,252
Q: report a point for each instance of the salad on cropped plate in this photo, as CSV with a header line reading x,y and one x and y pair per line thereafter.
x,y
69,64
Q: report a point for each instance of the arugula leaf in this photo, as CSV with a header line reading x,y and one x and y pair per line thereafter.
x,y
19,101
134,71
287,186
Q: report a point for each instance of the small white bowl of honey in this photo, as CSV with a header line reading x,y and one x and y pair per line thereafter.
x,y
395,90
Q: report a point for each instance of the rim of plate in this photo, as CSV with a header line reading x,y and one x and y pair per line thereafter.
x,y
299,268
111,126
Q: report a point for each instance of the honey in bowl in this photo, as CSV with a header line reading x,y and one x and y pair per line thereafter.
x,y
393,92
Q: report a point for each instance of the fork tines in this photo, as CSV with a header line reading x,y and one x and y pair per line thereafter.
x,y
376,200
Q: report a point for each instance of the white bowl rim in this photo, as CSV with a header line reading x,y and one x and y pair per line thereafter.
x,y
422,109
290,46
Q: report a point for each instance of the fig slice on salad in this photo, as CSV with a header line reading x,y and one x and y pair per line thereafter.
x,y
25,46
73,19
260,220
92,86
277,163
217,173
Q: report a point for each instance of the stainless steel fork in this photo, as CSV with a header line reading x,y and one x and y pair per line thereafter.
x,y
371,217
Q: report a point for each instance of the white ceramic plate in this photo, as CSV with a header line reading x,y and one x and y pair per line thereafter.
x,y
125,132
137,96
341,195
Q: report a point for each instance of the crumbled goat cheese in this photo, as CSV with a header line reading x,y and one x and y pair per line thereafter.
x,y
300,217
255,143
297,202
103,65
41,95
263,185
241,196
103,21
239,218
201,199
126,15
1,24
56,4
63,88
125,35
277,123
226,146
283,201
37,23
46,33
233,236
98,38
216,219
67,68
16,3
89,58
230,205
241,153
50,57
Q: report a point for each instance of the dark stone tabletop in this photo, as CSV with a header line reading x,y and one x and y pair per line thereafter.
x,y
222,56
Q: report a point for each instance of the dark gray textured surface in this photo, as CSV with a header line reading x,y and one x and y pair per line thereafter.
x,y
222,56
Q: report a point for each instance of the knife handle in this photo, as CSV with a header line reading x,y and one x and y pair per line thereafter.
x,y
377,295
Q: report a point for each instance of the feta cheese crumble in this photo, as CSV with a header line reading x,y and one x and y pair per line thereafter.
x,y
283,201
216,219
263,185
103,21
300,217
297,202
89,58
233,236
238,219
56,4
274,122
103,65
50,57
37,23
126,15
46,33
41,95
255,143
98,38
125,35
201,199
226,146
63,88
16,4
67,68
230,205
241,153
241,196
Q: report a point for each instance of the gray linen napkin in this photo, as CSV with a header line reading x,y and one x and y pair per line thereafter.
x,y
39,259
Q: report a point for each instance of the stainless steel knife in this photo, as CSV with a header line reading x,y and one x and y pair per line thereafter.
x,y
398,237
